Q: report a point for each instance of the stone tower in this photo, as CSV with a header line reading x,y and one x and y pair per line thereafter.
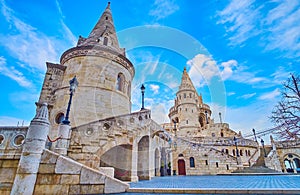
x,y
189,113
103,72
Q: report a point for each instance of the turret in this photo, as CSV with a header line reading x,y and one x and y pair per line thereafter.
x,y
189,111
104,73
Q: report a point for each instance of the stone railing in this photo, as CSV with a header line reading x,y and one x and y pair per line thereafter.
x,y
288,144
254,157
272,161
11,141
224,141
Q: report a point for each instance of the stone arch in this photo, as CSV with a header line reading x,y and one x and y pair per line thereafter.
x,y
202,120
143,158
292,163
119,157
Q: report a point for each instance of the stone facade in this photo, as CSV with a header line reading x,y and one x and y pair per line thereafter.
x,y
106,144
201,146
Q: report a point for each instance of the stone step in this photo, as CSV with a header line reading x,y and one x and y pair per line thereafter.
x,y
256,169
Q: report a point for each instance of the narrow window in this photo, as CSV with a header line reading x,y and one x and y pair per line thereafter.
x,y
222,134
227,167
217,164
206,162
120,82
186,109
227,151
192,162
187,121
249,153
105,41
184,95
241,152
233,152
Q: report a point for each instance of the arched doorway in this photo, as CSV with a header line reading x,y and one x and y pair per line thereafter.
x,y
143,158
118,157
181,167
157,164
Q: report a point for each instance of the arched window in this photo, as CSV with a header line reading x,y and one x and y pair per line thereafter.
x,y
249,153
226,151
241,152
180,155
222,134
233,152
120,82
192,162
105,41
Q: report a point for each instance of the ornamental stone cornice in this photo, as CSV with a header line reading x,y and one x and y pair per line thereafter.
x,y
99,51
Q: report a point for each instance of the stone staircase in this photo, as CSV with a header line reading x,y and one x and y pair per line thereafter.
x,y
259,166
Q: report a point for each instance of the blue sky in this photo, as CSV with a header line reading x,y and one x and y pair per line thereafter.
x,y
237,52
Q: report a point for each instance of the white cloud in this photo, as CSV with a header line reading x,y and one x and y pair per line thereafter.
x,y
240,18
208,68
272,22
247,96
14,74
29,45
271,95
228,68
163,8
203,68
154,88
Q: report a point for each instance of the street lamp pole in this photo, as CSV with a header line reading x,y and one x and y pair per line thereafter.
x,y
263,145
254,134
73,85
143,92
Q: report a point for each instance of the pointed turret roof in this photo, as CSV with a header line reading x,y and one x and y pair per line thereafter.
x,y
186,82
103,33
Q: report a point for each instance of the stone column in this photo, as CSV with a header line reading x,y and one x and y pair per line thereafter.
x,y
62,145
134,161
31,154
151,157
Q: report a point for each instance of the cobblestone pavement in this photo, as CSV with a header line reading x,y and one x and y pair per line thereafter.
x,y
219,182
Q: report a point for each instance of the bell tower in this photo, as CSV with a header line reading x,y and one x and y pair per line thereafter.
x,y
103,72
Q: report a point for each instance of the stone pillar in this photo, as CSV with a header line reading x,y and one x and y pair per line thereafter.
x,y
134,161
151,157
62,145
31,154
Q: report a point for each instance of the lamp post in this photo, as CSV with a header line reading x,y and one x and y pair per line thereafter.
x,y
254,134
236,147
263,145
220,115
143,92
73,85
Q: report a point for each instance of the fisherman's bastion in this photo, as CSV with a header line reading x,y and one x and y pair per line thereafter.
x,y
98,145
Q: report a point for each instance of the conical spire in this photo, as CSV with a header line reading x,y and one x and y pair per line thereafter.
x,y
186,82
103,33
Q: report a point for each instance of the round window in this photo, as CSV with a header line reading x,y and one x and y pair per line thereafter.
x,y
59,118
19,140
89,131
106,126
